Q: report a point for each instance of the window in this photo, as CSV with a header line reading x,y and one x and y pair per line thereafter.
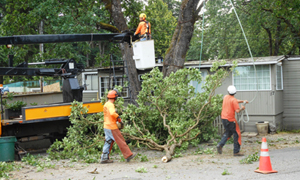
x,y
279,79
198,87
105,85
91,82
245,79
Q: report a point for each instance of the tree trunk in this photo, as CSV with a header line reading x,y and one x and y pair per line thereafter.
x,y
270,40
169,152
179,46
278,40
115,9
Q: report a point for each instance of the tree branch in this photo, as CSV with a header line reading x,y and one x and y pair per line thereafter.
x,y
111,28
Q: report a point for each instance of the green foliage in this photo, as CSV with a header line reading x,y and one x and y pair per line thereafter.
x,y
163,24
230,141
155,166
5,168
15,106
225,172
144,158
122,158
209,151
141,170
69,17
250,159
270,27
33,104
169,110
177,155
85,137
31,160
37,162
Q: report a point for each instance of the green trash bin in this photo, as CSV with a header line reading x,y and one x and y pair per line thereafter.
x,y
7,148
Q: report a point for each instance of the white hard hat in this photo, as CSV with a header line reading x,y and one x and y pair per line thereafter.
x,y
231,90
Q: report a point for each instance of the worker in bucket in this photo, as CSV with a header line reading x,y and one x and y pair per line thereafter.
x,y
229,108
144,28
111,130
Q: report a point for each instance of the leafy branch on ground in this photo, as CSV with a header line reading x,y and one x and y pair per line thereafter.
x,y
5,168
250,159
170,114
225,172
37,162
141,170
85,137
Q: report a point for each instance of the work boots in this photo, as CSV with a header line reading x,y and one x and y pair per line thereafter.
x,y
105,159
238,154
131,157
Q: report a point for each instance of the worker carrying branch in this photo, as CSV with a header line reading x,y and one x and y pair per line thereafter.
x,y
229,108
144,28
111,130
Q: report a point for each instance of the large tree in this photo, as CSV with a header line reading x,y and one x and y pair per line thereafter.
x,y
271,28
115,9
188,15
163,24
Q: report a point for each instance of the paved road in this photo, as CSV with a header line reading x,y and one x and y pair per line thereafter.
x,y
286,161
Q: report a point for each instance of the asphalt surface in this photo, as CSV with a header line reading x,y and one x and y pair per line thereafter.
x,y
205,166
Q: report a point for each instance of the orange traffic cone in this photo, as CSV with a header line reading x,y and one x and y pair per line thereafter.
x,y
265,166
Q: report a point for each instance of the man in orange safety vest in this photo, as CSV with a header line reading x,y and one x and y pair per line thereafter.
x,y
229,108
144,28
112,132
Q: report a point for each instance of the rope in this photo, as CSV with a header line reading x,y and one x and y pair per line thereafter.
x,y
245,111
196,90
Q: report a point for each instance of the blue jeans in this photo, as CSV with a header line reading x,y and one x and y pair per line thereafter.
x,y
229,131
109,138
143,39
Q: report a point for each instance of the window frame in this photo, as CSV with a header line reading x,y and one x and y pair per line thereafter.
x,y
270,80
205,73
83,80
100,87
281,78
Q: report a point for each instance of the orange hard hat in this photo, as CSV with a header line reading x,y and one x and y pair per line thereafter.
x,y
112,94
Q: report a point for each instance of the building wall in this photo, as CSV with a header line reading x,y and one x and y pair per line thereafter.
x,y
39,98
291,94
267,105
89,96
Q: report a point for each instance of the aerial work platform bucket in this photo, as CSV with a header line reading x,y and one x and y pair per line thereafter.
x,y
144,54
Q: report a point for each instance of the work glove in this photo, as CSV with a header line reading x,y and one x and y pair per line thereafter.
x,y
120,124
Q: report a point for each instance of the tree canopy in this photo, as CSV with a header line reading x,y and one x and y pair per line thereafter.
x,y
271,27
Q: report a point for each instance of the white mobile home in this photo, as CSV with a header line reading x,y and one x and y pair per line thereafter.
x,y
277,94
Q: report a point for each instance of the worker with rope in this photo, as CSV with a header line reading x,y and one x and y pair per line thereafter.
x,y
144,28
229,108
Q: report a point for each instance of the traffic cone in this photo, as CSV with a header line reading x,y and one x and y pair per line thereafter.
x,y
265,166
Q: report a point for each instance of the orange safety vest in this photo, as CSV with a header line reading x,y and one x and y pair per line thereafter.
x,y
230,105
143,28
110,116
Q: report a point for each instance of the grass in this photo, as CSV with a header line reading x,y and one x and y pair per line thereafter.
x,y
288,131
